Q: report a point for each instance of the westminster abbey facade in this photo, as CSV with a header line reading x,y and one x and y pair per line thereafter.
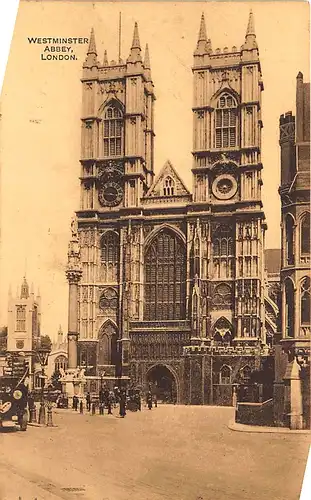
x,y
170,284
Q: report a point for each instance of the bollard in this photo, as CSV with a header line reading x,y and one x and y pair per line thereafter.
x,y
32,414
50,415
101,409
93,408
81,407
41,414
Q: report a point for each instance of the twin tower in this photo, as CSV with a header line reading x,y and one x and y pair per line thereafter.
x,y
152,267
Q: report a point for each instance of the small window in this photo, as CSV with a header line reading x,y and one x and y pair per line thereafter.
x,y
21,318
168,186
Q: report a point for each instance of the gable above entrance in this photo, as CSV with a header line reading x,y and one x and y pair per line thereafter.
x,y
168,184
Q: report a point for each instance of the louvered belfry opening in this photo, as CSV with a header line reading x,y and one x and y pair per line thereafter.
x,y
165,278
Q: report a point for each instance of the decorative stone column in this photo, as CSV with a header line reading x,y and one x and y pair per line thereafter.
x,y
73,277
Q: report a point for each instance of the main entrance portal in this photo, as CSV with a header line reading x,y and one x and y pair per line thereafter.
x,y
163,384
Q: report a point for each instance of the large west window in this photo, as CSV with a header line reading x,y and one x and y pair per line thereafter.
x,y
165,276
226,121
113,131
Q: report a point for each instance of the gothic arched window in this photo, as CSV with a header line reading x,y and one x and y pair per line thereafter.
x,y
246,373
168,186
226,120
165,276
305,235
222,330
113,131
289,308
61,362
107,345
305,309
109,248
289,228
225,375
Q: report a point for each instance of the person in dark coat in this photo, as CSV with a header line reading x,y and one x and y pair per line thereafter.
x,y
110,402
74,403
122,400
149,400
88,401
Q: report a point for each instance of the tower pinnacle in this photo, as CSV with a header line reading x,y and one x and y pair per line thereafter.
x,y
24,289
250,37
92,45
135,55
203,44
202,33
147,64
91,55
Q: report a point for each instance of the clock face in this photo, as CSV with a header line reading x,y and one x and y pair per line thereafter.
x,y
224,187
110,194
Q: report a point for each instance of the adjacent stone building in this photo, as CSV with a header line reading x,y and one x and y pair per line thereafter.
x,y
293,371
166,286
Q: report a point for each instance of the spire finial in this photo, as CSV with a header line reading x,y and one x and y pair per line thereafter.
x,y
92,45
24,289
136,42
135,48
147,58
202,33
251,25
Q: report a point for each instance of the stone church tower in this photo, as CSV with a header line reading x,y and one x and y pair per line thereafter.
x,y
166,286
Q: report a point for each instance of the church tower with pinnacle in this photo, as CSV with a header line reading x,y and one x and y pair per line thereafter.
x,y
227,182
164,283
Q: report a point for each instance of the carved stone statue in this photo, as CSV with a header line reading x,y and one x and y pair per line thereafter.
x,y
74,227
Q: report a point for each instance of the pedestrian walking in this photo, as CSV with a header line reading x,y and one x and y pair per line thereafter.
x,y
110,402
122,401
88,401
149,400
155,400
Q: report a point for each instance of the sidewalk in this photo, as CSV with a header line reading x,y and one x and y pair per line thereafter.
x,y
234,426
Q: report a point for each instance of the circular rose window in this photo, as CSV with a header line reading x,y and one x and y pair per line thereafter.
x,y
224,187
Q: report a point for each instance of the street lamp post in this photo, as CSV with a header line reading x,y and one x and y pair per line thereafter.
x,y
43,355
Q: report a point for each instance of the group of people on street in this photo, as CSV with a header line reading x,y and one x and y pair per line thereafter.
x,y
126,399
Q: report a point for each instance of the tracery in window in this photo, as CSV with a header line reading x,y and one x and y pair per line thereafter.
x,y
305,235
225,375
113,131
109,257
226,122
222,330
168,186
165,276
305,309
21,318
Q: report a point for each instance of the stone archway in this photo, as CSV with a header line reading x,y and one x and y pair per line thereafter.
x,y
164,383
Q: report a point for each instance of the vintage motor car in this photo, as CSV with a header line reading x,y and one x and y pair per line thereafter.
x,y
13,403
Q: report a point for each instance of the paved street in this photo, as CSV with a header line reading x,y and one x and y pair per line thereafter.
x,y
171,452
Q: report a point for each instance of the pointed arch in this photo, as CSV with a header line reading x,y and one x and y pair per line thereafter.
x,y
165,276
226,121
225,90
107,343
109,256
163,227
289,238
225,374
289,318
112,128
304,226
222,330
305,309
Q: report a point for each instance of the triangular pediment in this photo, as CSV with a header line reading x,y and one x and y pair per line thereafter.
x,y
167,183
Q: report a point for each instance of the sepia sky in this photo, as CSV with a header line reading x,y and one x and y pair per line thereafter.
x,y
41,104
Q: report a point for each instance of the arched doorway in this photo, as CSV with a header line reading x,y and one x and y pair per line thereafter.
x,y
163,383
